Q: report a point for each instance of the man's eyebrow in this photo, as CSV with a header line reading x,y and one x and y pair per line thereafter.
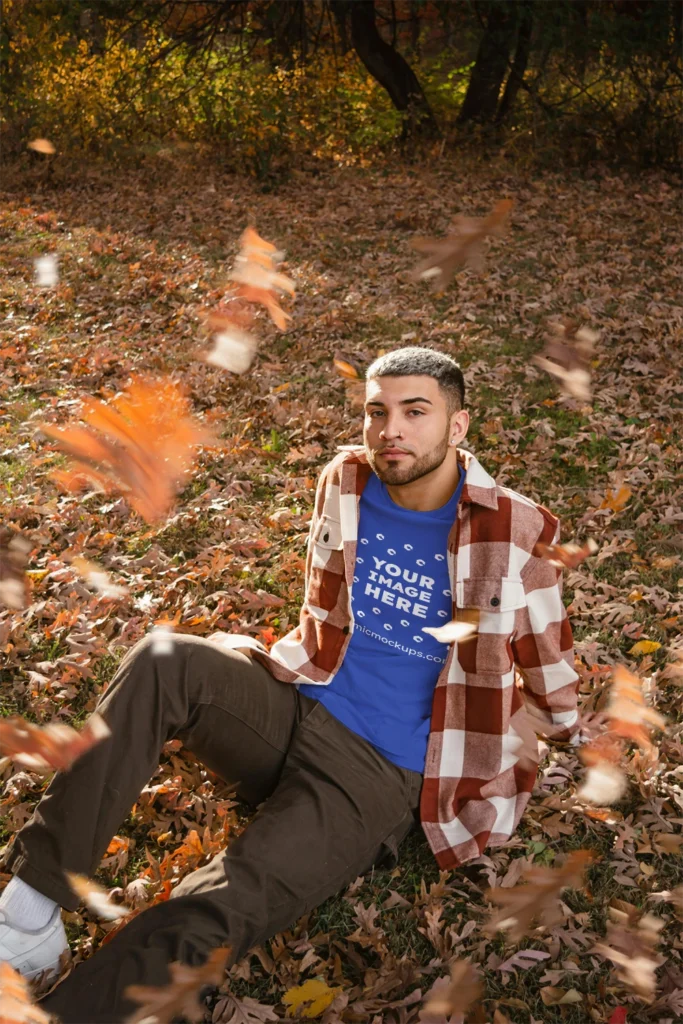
x,y
404,401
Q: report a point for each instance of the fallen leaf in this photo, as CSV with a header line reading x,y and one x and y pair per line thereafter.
x,y
310,999
645,647
630,944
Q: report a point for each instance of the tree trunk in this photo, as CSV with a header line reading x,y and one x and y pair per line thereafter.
x,y
388,67
481,100
519,64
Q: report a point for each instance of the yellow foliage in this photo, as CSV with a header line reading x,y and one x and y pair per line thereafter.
x,y
645,647
310,999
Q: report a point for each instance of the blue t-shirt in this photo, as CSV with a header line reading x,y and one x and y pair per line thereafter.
x,y
384,687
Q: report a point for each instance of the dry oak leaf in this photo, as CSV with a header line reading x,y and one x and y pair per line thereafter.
x,y
16,1005
144,448
616,501
54,746
567,357
161,1004
454,995
95,897
523,904
14,586
463,246
630,944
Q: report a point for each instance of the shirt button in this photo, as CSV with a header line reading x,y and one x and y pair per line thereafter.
x,y
345,629
495,601
326,537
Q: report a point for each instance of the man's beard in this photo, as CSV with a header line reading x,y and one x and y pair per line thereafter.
x,y
396,473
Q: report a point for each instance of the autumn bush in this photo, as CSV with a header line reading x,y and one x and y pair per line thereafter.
x,y
607,90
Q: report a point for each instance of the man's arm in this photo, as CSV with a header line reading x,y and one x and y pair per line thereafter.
x,y
543,648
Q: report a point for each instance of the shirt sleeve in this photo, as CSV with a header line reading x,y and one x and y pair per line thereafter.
x,y
543,647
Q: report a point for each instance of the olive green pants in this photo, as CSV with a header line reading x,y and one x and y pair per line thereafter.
x,y
332,806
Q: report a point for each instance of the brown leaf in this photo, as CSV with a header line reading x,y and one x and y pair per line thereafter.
x,y
567,357
565,556
144,449
463,246
16,1005
181,996
45,748
537,900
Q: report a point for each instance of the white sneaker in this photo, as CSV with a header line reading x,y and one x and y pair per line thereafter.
x,y
31,953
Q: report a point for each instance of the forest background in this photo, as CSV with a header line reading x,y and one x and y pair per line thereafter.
x,y
341,130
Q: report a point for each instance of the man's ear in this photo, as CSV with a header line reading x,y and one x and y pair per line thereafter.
x,y
460,422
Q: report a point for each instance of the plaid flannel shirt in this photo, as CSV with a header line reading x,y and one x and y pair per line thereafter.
x,y
475,789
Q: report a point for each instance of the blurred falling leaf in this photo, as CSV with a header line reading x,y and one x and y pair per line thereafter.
x,y
604,784
47,275
630,717
44,748
455,632
257,278
309,1000
537,900
95,897
180,998
16,1004
98,579
233,350
630,944
453,995
567,357
463,246
146,448
14,585
42,146
565,556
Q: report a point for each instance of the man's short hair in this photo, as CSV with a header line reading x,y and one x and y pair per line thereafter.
x,y
426,362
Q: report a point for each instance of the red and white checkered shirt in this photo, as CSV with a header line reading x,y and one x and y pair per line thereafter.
x,y
475,790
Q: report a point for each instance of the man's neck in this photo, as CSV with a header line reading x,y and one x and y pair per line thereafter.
x,y
429,492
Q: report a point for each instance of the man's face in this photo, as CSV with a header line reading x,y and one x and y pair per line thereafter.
x,y
407,427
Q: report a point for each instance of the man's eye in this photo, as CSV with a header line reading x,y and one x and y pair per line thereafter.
x,y
418,411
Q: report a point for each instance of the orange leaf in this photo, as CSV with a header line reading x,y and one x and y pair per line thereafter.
x,y
16,1005
48,747
145,450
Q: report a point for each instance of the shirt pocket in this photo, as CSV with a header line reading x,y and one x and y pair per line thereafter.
x,y
491,603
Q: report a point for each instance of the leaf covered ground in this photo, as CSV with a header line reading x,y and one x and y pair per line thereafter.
x,y
141,259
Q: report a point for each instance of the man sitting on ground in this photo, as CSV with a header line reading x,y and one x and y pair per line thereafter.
x,y
384,724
